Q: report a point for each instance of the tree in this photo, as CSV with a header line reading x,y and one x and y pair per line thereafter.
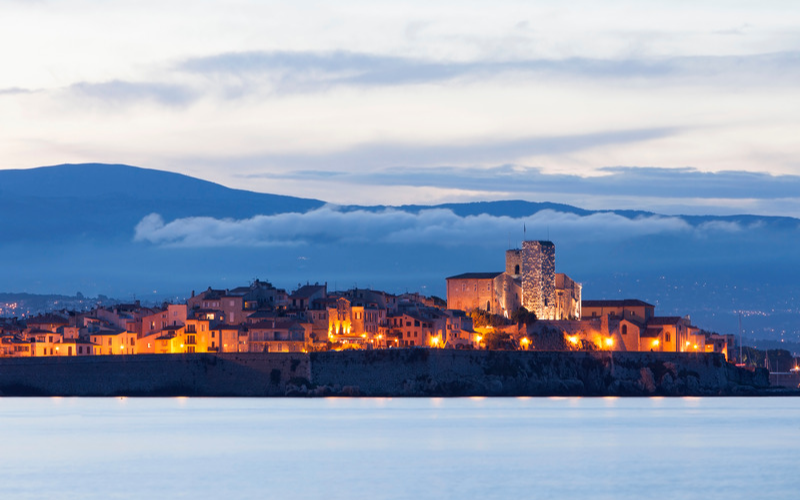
x,y
499,341
523,316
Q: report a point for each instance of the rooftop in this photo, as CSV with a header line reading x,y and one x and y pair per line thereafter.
x,y
615,303
476,276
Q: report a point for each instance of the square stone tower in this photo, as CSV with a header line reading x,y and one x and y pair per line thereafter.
x,y
539,278
514,262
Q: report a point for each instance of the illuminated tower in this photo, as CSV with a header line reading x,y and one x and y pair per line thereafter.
x,y
539,278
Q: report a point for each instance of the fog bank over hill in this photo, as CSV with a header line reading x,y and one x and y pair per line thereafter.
x,y
120,230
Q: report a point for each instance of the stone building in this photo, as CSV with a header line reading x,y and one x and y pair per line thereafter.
x,y
529,280
470,291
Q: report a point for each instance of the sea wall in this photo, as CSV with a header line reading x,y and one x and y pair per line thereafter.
x,y
428,372
396,372
245,374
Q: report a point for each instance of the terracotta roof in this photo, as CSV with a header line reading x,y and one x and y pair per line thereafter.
x,y
306,291
476,276
47,319
664,320
615,303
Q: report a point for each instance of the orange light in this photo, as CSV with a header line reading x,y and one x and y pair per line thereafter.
x,y
655,343
609,341
478,338
573,339
695,346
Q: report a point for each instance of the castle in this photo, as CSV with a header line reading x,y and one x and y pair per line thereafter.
x,y
530,281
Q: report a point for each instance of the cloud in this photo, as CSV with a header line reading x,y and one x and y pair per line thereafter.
x,y
16,91
312,71
124,92
720,226
441,227
640,181
374,156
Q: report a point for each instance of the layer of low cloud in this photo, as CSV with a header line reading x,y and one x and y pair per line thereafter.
x,y
330,225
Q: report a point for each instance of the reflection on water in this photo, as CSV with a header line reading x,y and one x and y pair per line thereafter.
x,y
610,448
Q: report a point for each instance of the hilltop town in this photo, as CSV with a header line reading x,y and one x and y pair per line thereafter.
x,y
528,306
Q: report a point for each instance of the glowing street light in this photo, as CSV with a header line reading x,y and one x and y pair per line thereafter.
x,y
609,342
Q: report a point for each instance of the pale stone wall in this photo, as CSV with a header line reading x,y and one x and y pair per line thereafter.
x,y
538,278
568,297
473,293
514,262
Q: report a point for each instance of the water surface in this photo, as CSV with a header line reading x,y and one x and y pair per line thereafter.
x,y
482,448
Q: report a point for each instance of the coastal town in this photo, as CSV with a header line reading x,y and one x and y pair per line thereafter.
x,y
528,306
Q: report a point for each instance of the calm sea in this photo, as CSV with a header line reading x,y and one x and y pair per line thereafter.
x,y
514,448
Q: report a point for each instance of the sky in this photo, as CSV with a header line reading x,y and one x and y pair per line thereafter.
x,y
675,107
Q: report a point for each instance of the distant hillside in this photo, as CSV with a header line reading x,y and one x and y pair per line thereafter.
x,y
101,202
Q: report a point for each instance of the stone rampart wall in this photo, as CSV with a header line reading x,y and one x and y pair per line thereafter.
x,y
425,372
396,372
243,374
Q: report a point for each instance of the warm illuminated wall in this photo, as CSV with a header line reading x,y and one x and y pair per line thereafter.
x,y
538,278
469,293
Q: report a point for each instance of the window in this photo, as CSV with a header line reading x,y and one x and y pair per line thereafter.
x,y
624,329
212,334
666,337
516,269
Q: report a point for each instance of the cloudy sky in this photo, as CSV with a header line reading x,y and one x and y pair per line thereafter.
x,y
676,107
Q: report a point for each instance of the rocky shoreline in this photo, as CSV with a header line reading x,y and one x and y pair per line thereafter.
x,y
386,373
